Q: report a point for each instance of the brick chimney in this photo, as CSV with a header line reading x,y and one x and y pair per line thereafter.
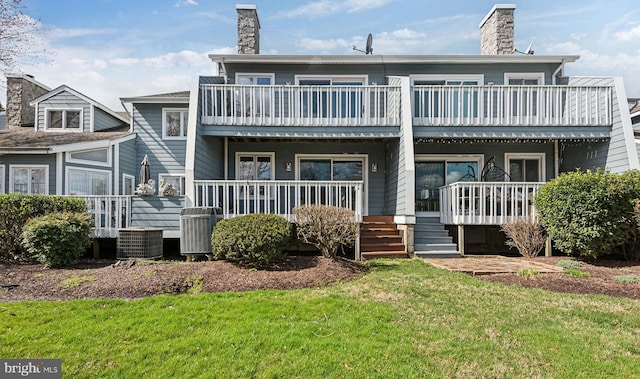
x,y
248,29
496,30
21,89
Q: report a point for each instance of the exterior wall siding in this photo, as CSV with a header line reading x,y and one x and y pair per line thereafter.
x,y
165,156
102,120
209,159
128,163
286,152
392,173
157,212
34,160
64,100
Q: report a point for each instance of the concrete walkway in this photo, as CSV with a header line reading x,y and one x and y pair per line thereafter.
x,y
482,265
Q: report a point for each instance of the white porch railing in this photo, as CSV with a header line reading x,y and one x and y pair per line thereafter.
x,y
294,105
512,106
241,197
487,203
109,214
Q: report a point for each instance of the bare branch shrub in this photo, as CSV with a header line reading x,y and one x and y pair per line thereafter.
x,y
326,227
525,235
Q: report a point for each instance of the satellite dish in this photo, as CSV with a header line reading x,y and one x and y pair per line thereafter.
x,y
368,49
526,52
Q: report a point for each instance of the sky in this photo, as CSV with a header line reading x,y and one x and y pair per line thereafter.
x,y
108,49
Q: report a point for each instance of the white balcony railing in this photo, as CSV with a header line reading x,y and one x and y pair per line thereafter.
x,y
109,214
487,203
240,197
292,105
512,106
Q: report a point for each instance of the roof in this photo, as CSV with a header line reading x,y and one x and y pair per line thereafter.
x,y
171,97
391,59
96,104
27,140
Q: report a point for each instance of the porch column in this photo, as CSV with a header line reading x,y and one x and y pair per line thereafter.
x,y
461,239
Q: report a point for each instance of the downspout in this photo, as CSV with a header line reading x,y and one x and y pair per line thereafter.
x,y
224,70
556,163
226,158
555,73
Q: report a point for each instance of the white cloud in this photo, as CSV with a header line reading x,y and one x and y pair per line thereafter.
x,y
328,7
186,2
632,34
58,33
323,46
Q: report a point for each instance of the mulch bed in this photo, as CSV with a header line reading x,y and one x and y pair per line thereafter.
x,y
601,280
137,279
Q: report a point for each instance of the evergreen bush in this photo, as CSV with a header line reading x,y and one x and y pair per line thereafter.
x,y
57,239
257,240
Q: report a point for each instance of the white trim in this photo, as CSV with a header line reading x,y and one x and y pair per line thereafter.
x,y
59,171
2,176
30,167
108,163
362,78
91,118
190,151
156,100
116,168
525,76
183,185
256,154
270,75
133,183
462,77
625,121
541,157
364,158
88,170
183,128
90,145
64,128
495,7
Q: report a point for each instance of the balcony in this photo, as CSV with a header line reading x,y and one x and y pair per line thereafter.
x,y
109,214
487,203
512,106
291,105
240,197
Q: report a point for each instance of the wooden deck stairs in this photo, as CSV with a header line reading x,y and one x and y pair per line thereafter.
x,y
379,238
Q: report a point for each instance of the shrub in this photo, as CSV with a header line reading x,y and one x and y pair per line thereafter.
x,y
576,273
568,263
528,273
326,227
57,239
257,240
17,209
525,235
591,213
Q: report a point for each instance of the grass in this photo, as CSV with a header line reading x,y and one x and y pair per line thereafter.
x,y
405,319
576,273
569,263
529,273
628,278
76,281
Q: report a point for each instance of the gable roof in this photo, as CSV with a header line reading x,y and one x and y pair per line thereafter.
x,y
66,88
23,141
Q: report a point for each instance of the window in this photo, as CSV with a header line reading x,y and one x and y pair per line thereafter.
x,y
252,99
174,123
446,100
342,102
29,179
525,167
524,78
255,166
63,119
177,180
1,178
433,172
100,157
128,184
87,182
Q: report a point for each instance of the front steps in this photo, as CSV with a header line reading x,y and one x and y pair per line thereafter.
x,y
431,239
379,238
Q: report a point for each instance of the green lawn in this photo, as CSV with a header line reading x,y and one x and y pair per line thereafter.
x,y
403,320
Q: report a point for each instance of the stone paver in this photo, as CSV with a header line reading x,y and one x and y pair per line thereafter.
x,y
482,265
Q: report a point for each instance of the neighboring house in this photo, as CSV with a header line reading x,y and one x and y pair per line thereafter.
x,y
432,153
64,143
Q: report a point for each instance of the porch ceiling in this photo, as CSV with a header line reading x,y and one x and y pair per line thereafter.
x,y
303,132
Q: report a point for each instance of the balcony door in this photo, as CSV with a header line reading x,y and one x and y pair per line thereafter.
x,y
446,96
325,102
435,172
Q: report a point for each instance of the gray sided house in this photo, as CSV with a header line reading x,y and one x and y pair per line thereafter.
x,y
61,142
441,150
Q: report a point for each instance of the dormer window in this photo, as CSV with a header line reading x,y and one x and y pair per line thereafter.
x,y
63,119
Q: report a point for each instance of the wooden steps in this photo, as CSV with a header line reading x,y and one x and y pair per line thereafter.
x,y
379,238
